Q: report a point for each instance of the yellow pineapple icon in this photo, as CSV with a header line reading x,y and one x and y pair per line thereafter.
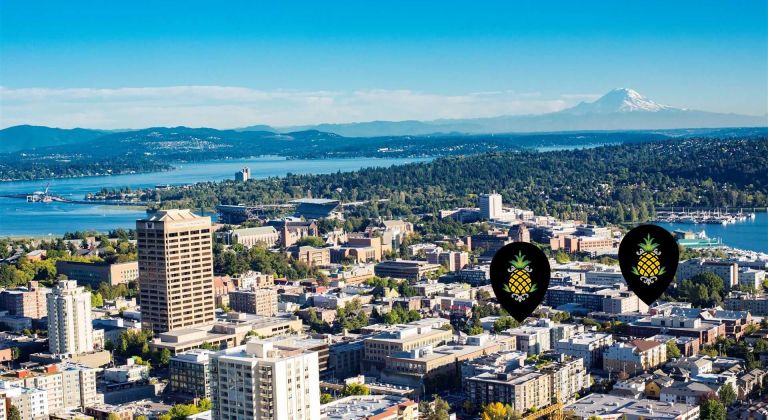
x,y
520,284
648,266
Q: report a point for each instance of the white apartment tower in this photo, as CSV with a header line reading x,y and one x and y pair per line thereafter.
x,y
260,381
490,206
69,319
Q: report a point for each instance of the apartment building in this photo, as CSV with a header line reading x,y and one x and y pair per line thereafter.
x,y
258,381
587,346
254,301
403,339
176,270
728,271
521,389
635,356
453,260
70,330
189,373
32,403
68,386
29,302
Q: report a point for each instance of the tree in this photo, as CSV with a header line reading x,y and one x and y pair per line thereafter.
x,y
475,330
712,409
727,395
672,351
204,404
355,389
315,241
165,358
438,409
15,353
561,257
498,411
113,416
13,413
504,323
97,301
325,398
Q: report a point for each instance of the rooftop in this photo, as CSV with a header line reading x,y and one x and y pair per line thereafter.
x,y
604,405
361,406
172,215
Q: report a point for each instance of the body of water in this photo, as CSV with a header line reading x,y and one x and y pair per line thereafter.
x,y
19,218
751,234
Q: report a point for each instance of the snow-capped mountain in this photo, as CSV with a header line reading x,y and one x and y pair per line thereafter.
x,y
619,109
618,100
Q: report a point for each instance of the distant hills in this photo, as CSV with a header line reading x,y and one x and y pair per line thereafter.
x,y
23,137
619,109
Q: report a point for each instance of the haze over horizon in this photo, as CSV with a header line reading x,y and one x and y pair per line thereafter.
x,y
101,66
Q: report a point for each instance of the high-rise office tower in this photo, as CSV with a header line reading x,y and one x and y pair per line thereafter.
x,y
262,381
175,270
69,319
490,206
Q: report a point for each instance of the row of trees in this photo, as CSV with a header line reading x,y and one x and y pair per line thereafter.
x,y
612,184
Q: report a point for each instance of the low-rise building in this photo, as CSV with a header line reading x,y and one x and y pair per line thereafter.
x,y
228,333
250,237
635,356
402,338
728,271
689,393
93,274
370,407
68,386
130,372
32,403
532,340
611,407
587,346
28,302
706,332
412,368
254,301
405,269
312,256
453,260
189,373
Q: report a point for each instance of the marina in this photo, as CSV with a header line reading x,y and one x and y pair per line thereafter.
x,y
709,217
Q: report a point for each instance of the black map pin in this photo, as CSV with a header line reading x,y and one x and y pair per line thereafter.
x,y
648,257
520,278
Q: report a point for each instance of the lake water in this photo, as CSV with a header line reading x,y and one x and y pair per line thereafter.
x,y
19,218
750,234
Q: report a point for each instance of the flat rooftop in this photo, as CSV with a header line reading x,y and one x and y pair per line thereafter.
x,y
360,406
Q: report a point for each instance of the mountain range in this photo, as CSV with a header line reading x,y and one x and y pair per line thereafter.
x,y
618,110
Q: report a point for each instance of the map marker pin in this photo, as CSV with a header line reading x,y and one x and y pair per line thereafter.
x,y
648,257
520,278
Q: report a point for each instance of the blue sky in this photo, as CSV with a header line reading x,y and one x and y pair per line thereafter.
x,y
131,64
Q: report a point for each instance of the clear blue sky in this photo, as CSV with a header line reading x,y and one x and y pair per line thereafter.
x,y
710,55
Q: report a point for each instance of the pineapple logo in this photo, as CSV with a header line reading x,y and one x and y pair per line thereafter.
x,y
519,284
648,266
